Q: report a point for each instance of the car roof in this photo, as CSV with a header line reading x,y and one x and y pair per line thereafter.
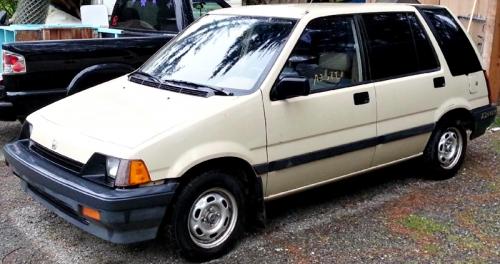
x,y
315,9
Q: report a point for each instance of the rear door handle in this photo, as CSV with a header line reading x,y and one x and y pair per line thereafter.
x,y
361,98
439,82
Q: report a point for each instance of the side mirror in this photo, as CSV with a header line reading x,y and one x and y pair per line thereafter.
x,y
290,87
3,18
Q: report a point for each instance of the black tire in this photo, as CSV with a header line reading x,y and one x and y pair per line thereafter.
x,y
197,190
441,166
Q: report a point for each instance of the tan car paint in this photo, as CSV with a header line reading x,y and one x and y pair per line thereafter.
x,y
176,135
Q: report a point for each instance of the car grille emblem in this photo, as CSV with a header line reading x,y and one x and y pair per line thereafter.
x,y
54,144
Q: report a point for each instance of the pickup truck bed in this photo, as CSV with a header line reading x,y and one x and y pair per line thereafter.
x,y
53,65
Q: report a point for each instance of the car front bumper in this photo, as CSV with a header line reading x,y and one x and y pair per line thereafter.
x,y
127,215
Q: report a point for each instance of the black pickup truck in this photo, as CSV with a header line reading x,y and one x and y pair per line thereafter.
x,y
37,73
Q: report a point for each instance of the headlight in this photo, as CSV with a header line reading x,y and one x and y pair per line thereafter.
x,y
127,172
112,165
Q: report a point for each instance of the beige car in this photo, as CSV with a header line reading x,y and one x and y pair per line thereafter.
x,y
251,104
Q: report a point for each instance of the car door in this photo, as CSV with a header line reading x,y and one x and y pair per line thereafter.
x,y
329,133
409,83
459,52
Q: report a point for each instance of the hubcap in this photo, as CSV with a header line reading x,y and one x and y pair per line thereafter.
x,y
450,148
212,218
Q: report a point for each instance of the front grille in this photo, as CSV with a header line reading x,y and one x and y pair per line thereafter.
x,y
57,159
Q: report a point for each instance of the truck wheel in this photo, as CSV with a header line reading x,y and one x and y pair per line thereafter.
x,y
208,216
446,149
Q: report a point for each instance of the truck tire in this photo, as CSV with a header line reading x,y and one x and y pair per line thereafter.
x,y
445,151
208,215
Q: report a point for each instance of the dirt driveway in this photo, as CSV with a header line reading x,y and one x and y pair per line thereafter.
x,y
392,215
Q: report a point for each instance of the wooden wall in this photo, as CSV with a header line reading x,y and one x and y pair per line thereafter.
x,y
494,64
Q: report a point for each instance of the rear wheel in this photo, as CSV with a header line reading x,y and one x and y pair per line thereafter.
x,y
446,149
208,216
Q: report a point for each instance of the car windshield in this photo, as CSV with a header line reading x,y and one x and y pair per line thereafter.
x,y
221,51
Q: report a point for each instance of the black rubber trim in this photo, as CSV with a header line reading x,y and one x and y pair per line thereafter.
x,y
339,150
42,174
483,117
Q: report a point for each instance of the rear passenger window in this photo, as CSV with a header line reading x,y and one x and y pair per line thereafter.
x,y
457,49
397,45
327,54
426,55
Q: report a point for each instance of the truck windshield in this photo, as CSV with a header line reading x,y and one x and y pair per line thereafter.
x,y
154,15
221,51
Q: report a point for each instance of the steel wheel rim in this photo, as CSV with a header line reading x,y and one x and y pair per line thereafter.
x,y
212,218
450,147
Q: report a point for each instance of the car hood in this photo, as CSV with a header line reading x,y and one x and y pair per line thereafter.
x,y
127,114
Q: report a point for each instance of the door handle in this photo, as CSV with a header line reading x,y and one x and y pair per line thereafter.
x,y
361,98
439,82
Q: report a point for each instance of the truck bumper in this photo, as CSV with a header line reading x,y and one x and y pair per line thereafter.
x,y
483,117
126,215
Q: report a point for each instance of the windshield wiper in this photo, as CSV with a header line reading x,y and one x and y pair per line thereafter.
x,y
192,84
147,75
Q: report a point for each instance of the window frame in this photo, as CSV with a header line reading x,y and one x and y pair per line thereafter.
x,y
362,53
420,72
362,37
421,10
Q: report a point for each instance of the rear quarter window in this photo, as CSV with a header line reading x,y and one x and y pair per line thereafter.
x,y
453,41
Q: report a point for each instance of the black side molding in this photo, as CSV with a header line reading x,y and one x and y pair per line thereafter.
x,y
339,150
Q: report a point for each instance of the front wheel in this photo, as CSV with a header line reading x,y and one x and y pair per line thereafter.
x,y
446,149
208,216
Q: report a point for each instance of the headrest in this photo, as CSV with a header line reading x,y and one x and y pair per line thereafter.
x,y
335,61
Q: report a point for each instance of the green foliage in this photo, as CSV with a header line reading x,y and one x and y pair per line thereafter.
x,y
424,225
9,6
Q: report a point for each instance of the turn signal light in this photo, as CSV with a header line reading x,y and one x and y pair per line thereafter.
x,y
138,173
91,213
13,63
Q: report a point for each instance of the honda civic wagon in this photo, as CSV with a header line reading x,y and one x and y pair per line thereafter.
x,y
252,104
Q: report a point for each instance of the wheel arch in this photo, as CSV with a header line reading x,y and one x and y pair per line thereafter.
x,y
461,114
243,171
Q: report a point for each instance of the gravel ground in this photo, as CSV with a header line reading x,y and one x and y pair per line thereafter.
x,y
389,216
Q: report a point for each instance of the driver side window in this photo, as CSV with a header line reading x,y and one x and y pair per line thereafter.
x,y
327,54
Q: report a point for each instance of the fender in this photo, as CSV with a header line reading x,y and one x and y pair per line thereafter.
x,y
207,152
101,72
450,105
